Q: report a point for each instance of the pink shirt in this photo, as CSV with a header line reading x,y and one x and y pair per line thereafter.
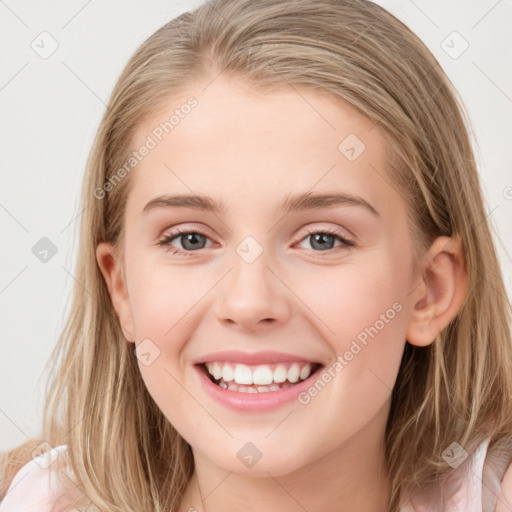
x,y
474,486
35,488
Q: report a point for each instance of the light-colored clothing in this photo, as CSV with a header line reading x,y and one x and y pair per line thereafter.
x,y
474,488
35,488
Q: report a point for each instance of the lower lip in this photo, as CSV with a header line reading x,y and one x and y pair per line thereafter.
x,y
265,401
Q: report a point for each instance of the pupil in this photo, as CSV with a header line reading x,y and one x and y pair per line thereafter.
x,y
320,238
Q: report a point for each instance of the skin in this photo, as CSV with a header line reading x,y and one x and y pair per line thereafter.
x,y
250,149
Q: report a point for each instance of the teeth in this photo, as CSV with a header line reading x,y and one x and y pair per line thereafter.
x,y
217,371
293,373
258,389
305,372
262,376
243,374
280,374
228,374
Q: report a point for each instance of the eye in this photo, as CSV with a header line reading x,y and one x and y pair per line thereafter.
x,y
191,240
323,239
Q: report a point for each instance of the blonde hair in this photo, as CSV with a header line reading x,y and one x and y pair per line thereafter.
x,y
125,455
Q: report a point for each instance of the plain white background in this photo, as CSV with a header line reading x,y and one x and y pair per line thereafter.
x,y
51,108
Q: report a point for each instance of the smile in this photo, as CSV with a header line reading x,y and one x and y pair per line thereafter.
x,y
264,378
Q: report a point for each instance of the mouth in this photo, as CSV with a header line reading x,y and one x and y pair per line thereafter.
x,y
266,378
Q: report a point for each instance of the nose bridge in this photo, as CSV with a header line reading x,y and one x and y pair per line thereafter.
x,y
252,293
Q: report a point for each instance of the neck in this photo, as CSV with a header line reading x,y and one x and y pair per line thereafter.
x,y
351,476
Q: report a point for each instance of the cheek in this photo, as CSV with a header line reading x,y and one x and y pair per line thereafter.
x,y
161,305
162,297
349,299
367,352
361,311
166,305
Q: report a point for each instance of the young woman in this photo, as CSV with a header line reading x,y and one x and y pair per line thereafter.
x,y
288,296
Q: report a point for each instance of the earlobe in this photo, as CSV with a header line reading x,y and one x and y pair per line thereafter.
x,y
441,293
110,267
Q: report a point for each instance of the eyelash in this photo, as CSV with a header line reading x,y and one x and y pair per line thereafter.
x,y
180,252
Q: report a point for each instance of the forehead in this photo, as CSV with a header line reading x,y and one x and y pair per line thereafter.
x,y
256,146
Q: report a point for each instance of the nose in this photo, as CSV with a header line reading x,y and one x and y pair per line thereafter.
x,y
253,296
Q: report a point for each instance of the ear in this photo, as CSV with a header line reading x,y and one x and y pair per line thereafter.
x,y
111,268
441,293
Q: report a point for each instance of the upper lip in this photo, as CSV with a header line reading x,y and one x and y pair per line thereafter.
x,y
236,356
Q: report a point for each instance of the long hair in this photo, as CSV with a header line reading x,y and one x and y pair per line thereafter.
x,y
124,454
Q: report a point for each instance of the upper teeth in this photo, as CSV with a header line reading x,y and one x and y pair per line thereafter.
x,y
260,374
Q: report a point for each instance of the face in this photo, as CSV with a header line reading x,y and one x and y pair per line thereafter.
x,y
327,281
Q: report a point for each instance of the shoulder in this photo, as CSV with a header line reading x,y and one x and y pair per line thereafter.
x,y
35,487
504,501
497,475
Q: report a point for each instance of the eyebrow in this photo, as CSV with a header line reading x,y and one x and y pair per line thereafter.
x,y
291,203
